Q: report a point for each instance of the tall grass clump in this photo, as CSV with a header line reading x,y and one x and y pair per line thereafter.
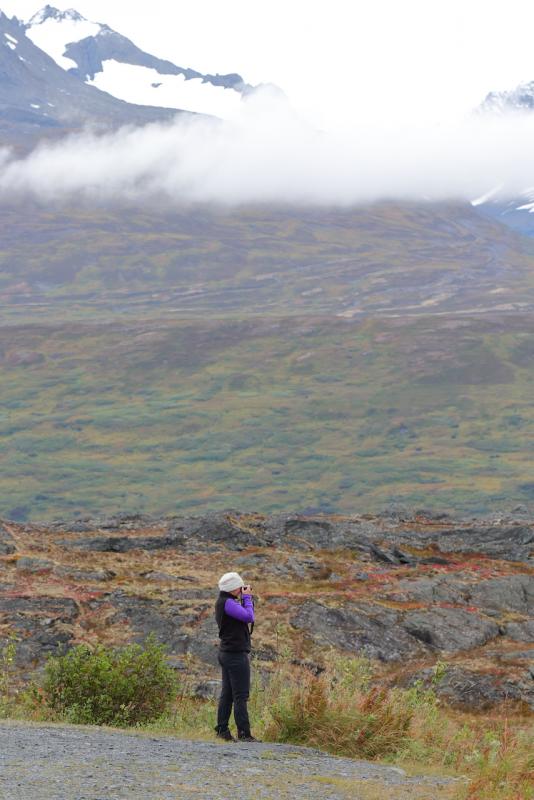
x,y
108,686
344,712
338,711
502,766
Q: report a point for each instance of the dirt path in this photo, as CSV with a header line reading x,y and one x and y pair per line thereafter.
x,y
45,762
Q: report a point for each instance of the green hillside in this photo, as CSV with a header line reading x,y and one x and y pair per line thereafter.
x,y
301,412
328,359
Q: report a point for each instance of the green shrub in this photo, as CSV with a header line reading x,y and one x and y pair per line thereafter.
x,y
108,686
8,651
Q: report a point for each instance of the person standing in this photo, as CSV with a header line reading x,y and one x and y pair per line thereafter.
x,y
234,613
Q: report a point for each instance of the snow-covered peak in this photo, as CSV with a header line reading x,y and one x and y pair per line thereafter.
x,y
52,30
520,99
104,58
49,12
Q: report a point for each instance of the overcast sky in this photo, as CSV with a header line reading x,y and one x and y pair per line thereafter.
x,y
428,60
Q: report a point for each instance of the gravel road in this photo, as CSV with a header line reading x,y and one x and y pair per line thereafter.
x,y
45,762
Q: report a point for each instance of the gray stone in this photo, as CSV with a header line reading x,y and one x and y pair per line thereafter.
x,y
465,688
203,643
208,690
162,577
34,565
520,631
147,616
39,625
439,589
450,629
510,593
363,628
85,574
119,544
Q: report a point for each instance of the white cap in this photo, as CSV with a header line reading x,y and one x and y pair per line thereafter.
x,y
230,581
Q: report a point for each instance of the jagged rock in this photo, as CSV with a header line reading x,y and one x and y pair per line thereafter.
x,y
161,577
466,688
128,521
510,542
61,608
39,625
381,555
510,593
439,589
518,655
365,628
521,631
450,629
119,544
229,528
33,565
203,642
7,544
146,616
85,574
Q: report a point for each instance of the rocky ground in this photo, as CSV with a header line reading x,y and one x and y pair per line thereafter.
x,y
66,762
405,591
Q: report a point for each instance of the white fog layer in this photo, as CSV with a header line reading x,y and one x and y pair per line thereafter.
x,y
265,153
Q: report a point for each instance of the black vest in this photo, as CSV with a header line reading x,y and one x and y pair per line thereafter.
x,y
234,635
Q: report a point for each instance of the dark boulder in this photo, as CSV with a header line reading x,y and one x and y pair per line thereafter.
x,y
366,629
480,691
450,629
119,544
510,593
40,626
147,616
34,565
521,632
438,589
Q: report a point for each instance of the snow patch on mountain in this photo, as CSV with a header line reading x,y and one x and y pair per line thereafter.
x,y
103,58
145,86
52,30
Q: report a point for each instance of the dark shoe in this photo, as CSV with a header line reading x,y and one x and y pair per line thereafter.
x,y
226,735
246,736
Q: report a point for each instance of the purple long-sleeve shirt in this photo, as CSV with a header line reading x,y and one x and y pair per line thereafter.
x,y
244,613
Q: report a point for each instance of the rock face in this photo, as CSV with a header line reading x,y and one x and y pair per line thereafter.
x,y
36,94
41,625
479,690
402,592
363,629
450,629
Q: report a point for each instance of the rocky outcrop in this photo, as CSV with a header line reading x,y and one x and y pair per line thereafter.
x,y
450,629
467,688
404,592
364,629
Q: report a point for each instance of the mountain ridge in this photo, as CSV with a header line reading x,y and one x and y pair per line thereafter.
x,y
99,55
36,95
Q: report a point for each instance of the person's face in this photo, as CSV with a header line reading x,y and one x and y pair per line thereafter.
x,y
236,592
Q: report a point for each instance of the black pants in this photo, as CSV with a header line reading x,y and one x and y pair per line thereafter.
x,y
235,690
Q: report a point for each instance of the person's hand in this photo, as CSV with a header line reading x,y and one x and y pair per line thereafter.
x,y
246,590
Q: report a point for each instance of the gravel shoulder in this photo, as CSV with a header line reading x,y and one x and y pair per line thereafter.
x,y
60,762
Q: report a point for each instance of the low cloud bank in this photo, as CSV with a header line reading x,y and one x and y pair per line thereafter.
x,y
268,154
